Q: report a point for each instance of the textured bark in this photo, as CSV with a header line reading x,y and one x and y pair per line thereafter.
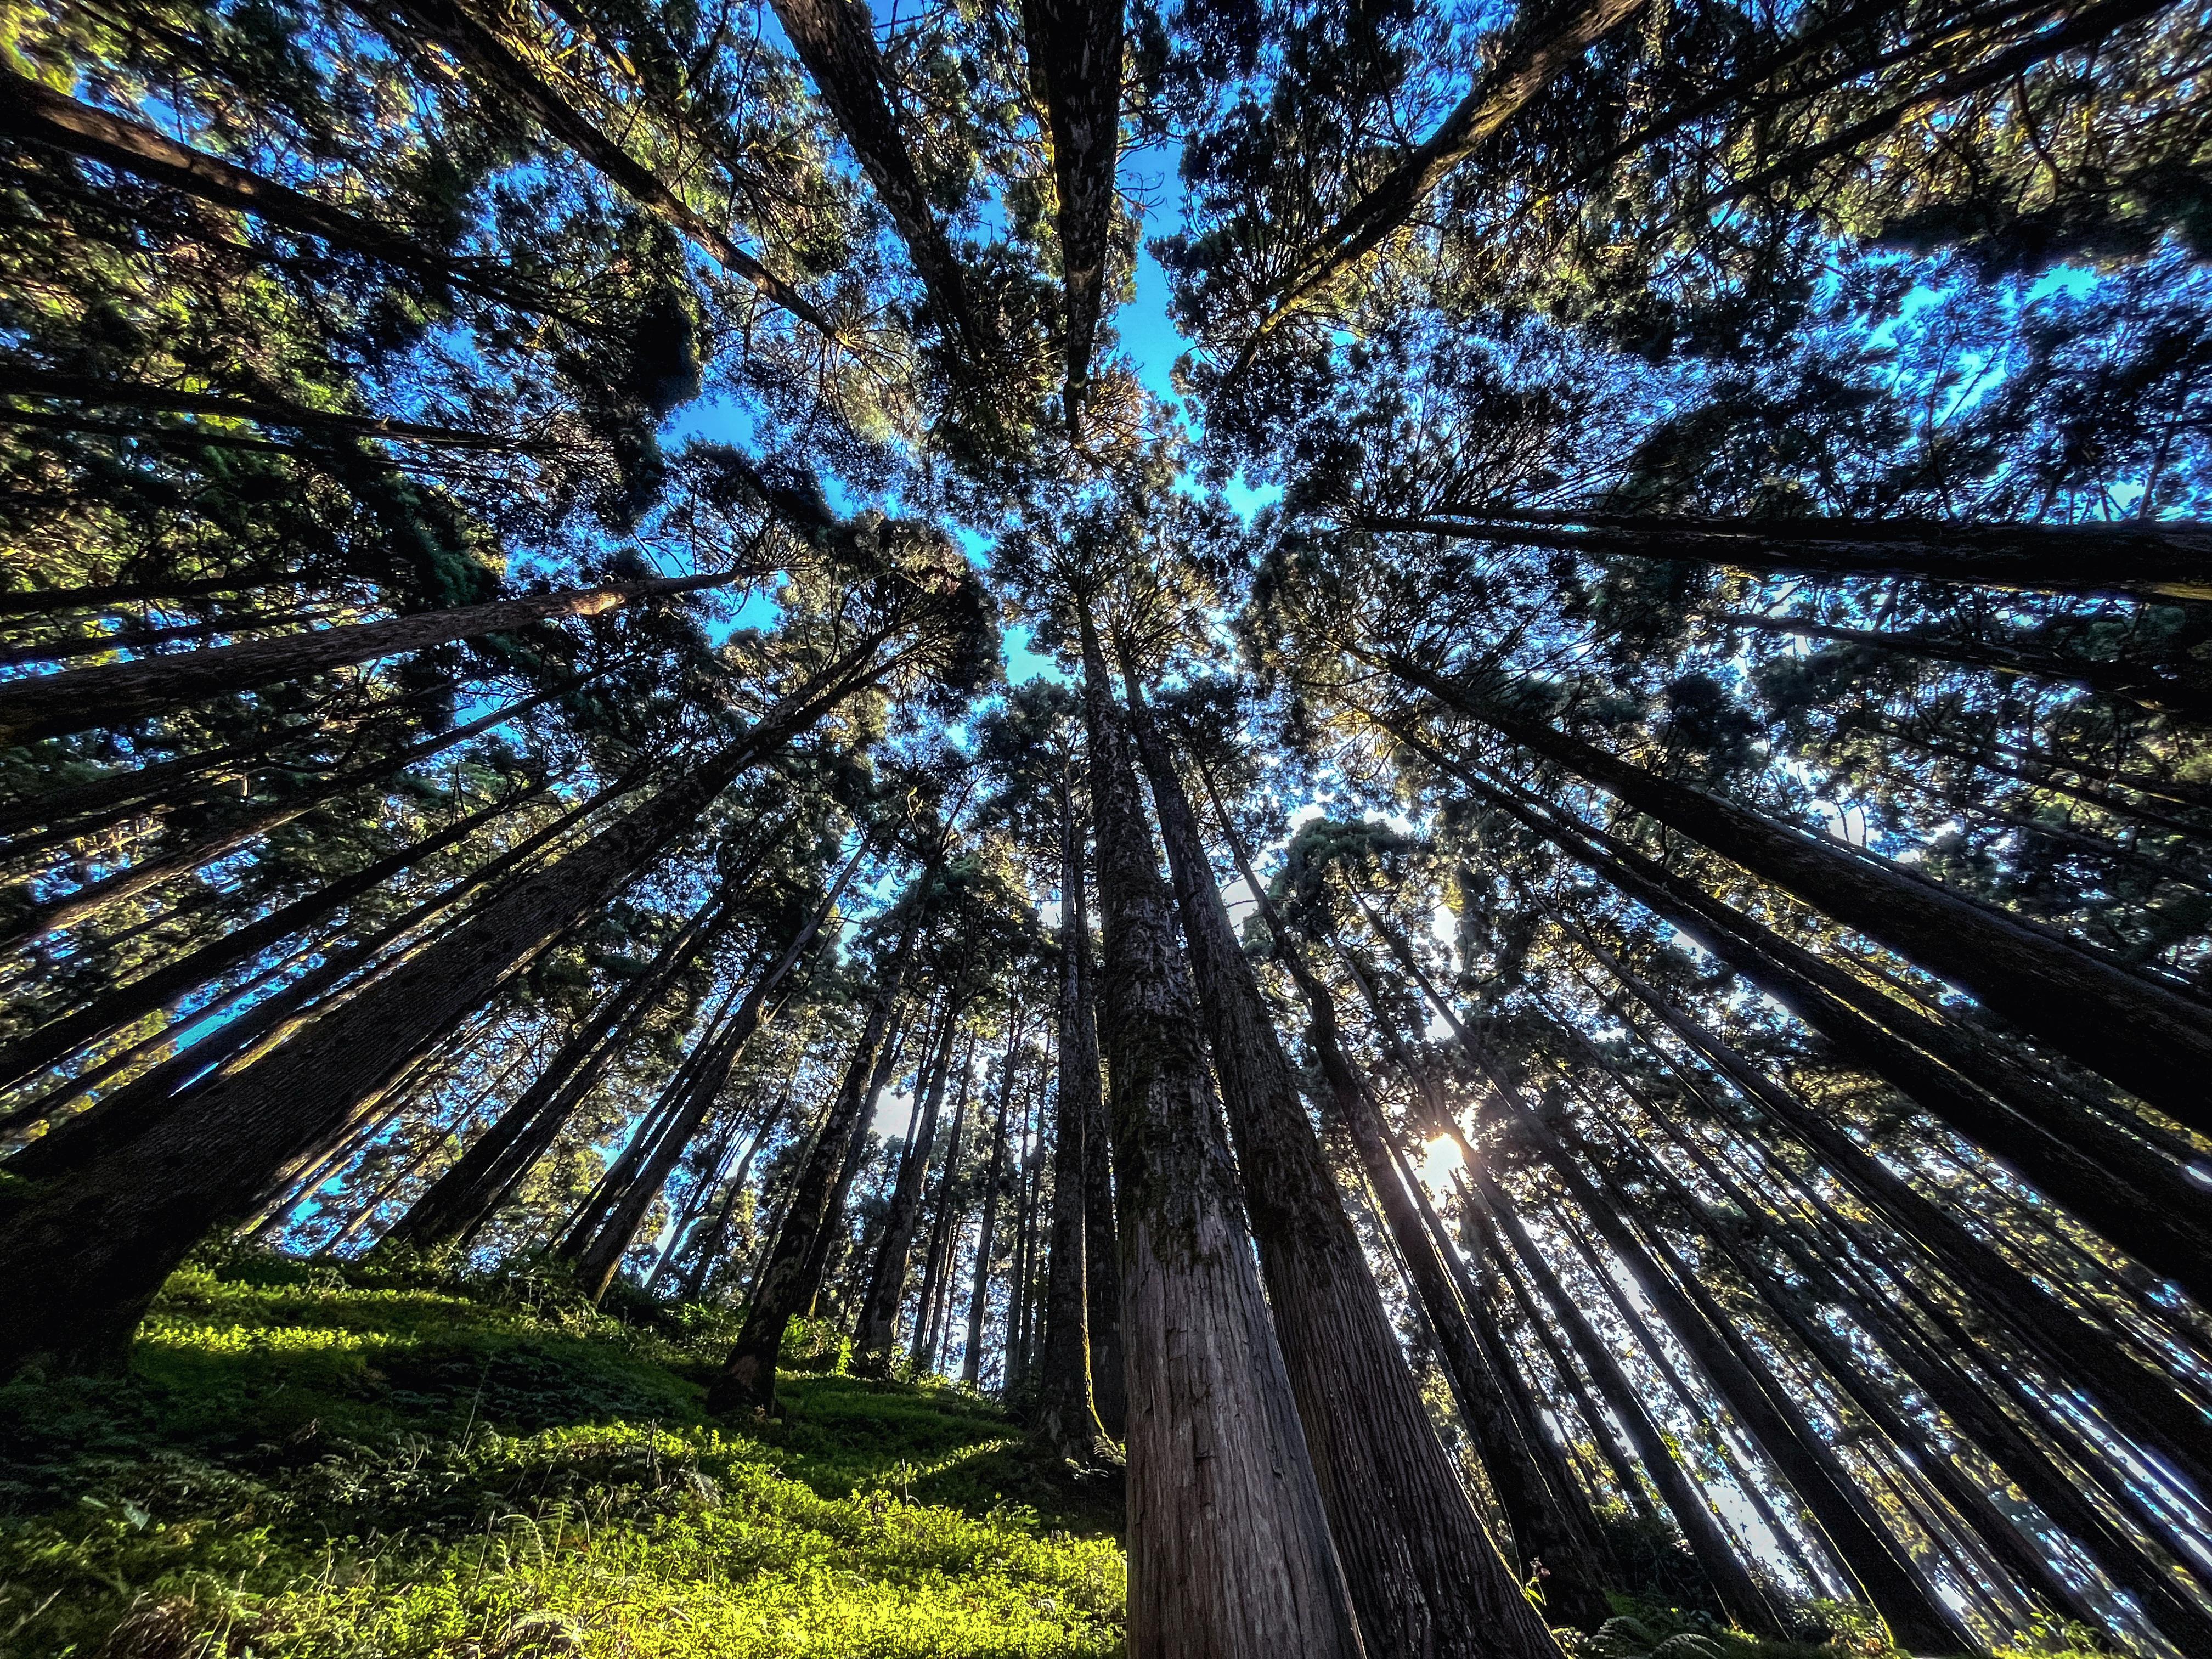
x,y
971,1355
1551,45
81,1260
2142,1403
1230,1553
44,601
2142,1035
880,1313
1102,1249
2133,558
114,695
1424,1576
790,1278
837,41
1714,1551
1075,67
1067,1417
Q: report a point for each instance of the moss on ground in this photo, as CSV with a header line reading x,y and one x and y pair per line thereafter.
x,y
308,1462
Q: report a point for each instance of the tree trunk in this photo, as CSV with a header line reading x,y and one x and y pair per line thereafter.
x,y
1230,1553
80,1261
1102,1249
971,1355
936,1260
113,696
827,1235
2143,1403
598,1261
1424,1576
44,601
467,1195
1067,1417
791,1278
1075,66
879,1314
2165,561
837,41
1715,1552
2091,1166
2145,1036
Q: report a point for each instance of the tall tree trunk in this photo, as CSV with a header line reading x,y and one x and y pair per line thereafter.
x,y
599,1260
879,1314
115,1118
828,1235
837,41
790,1278
1101,1248
1714,1550
78,700
2142,1035
2133,559
1424,1576
81,1260
971,1355
1229,1552
1075,66
133,1000
1067,1417
937,1259
44,601
2145,1404
467,1194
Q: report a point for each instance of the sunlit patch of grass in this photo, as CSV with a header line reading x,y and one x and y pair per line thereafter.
x,y
309,1462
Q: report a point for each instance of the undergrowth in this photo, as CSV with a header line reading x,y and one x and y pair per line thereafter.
x,y
316,1462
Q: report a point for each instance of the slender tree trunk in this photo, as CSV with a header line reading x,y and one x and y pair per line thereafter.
x,y
2144,1404
1068,1418
2142,1035
2156,559
81,1260
78,700
835,40
1715,1552
936,1260
44,601
886,1297
1229,1552
1424,1574
832,1231
790,1278
468,1193
599,1260
971,1354
1021,1311
1102,1249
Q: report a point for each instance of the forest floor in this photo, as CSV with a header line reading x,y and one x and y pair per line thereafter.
x,y
308,1460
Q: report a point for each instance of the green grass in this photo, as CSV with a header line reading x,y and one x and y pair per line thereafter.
x,y
305,1462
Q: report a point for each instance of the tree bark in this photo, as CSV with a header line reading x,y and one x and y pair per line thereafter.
x,y
81,1260
2155,559
114,695
971,1355
1424,1576
880,1313
1102,1249
791,1278
1075,65
936,1266
1229,1552
1068,1418
2142,1035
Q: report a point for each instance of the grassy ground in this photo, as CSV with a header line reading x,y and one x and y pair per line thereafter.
x,y
308,1462
302,1462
